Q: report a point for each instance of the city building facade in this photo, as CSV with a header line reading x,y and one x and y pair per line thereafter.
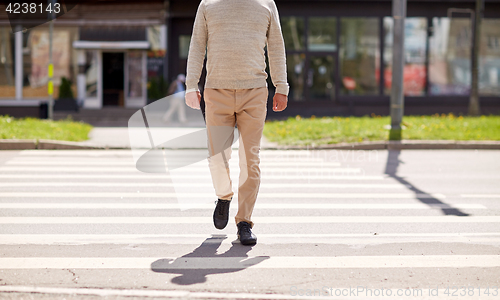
x,y
124,53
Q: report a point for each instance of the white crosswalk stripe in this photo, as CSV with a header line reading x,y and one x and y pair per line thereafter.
x,y
107,163
59,205
481,195
208,195
293,262
195,239
262,220
303,176
168,184
71,199
106,169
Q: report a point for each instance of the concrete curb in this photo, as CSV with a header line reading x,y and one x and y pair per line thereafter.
x,y
64,145
31,144
15,144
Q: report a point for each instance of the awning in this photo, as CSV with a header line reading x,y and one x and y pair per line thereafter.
x,y
111,45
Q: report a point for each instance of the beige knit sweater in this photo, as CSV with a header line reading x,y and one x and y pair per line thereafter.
x,y
233,34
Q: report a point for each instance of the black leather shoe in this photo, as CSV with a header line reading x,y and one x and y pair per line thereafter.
x,y
245,234
221,213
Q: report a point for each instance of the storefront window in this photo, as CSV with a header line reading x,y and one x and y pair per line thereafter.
x,y
295,73
156,36
322,34
135,73
157,87
184,41
91,75
489,58
293,32
450,56
36,44
321,77
33,54
7,80
359,56
414,65
36,60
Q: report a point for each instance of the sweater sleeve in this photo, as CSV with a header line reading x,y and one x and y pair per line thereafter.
x,y
197,50
276,52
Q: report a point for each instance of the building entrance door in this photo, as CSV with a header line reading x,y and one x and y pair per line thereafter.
x,y
113,78
321,77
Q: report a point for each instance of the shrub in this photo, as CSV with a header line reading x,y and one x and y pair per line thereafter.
x,y
65,91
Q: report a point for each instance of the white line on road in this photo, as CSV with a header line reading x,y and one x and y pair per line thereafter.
x,y
159,176
178,156
171,264
195,154
49,163
190,184
127,153
263,220
101,205
270,239
480,195
358,292
269,170
145,294
209,195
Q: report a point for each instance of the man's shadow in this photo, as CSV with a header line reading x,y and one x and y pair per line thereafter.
x,y
391,169
204,260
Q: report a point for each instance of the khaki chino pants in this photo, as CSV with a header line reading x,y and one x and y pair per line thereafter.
x,y
223,109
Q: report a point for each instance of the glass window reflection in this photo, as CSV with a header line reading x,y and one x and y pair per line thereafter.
x,y
321,77
414,66
322,34
91,69
359,56
184,41
295,73
450,56
7,85
489,58
135,74
293,32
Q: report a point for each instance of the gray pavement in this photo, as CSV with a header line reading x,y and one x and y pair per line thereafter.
x,y
327,221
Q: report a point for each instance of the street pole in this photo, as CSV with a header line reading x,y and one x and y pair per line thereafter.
x,y
397,95
51,66
474,109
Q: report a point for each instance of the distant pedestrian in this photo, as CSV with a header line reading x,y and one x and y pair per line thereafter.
x,y
177,104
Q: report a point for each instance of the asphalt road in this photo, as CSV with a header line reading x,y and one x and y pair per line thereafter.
x,y
417,224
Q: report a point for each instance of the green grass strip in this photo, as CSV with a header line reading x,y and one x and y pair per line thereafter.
x,y
332,130
33,128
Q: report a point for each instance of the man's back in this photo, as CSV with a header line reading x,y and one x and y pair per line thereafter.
x,y
235,33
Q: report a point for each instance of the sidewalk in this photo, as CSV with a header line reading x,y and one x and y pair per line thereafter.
x,y
195,138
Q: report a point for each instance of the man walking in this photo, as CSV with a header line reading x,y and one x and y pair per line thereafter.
x,y
234,34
